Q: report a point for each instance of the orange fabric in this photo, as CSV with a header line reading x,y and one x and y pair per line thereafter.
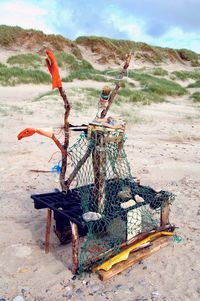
x,y
26,133
53,69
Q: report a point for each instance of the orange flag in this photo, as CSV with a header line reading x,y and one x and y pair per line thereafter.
x,y
53,69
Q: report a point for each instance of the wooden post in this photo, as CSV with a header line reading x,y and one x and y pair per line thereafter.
x,y
75,247
99,166
48,230
164,213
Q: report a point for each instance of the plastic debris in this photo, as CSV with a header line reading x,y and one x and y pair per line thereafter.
x,y
177,239
23,270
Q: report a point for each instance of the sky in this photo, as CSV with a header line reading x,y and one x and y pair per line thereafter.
x,y
167,23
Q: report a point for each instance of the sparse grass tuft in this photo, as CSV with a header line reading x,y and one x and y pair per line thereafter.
x,y
92,92
159,72
2,65
126,92
195,85
15,75
25,60
196,96
84,75
49,93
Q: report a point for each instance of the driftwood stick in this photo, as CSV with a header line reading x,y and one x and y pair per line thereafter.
x,y
75,247
48,230
164,213
117,85
78,166
59,145
67,108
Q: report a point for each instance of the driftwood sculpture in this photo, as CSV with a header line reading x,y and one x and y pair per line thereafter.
x,y
118,216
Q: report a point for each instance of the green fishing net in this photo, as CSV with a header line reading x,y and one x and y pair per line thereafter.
x,y
115,207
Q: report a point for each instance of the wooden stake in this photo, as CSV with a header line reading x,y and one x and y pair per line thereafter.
x,y
134,258
78,166
48,230
75,247
99,167
117,85
164,213
67,108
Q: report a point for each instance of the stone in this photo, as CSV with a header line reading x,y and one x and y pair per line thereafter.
x,y
80,293
119,286
18,298
95,288
69,295
155,294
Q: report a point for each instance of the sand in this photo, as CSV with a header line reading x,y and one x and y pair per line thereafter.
x,y
163,148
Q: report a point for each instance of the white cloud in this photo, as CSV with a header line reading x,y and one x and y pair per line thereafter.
x,y
68,18
177,38
135,28
24,14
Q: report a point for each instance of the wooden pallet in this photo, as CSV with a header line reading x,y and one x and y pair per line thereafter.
x,y
134,258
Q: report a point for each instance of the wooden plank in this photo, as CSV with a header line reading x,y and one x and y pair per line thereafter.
x,y
48,230
109,253
134,258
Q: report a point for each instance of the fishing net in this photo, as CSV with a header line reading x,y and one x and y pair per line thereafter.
x,y
115,207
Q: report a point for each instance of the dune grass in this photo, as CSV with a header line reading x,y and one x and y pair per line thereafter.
x,y
10,76
138,97
70,61
156,85
129,95
184,75
196,96
27,60
79,69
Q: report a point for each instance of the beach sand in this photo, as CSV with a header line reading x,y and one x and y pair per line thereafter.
x,y
163,149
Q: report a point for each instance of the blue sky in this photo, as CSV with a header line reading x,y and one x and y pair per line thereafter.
x,y
168,23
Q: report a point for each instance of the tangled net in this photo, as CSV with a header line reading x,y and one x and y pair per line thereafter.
x,y
115,208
